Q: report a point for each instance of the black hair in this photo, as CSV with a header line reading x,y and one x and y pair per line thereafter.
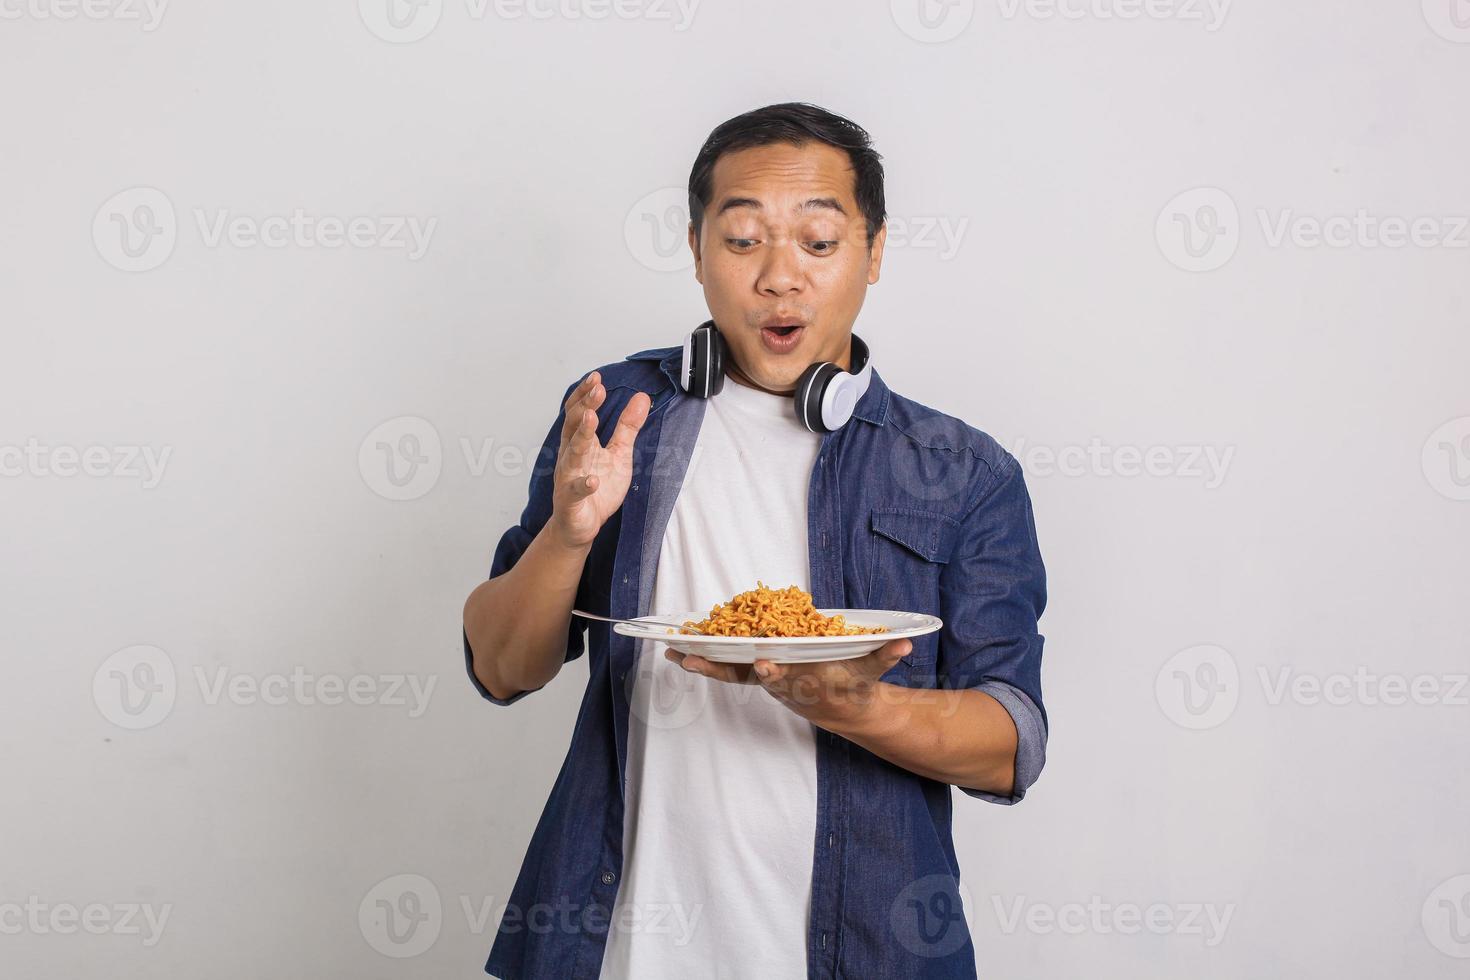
x,y
796,123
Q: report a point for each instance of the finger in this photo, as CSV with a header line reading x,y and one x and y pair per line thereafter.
x,y
583,438
698,665
577,401
630,422
582,486
593,379
588,403
769,673
571,459
579,392
890,653
683,660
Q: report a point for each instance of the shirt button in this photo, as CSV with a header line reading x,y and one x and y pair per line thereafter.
x,y
608,877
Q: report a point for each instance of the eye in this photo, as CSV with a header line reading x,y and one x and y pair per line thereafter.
x,y
823,247
741,242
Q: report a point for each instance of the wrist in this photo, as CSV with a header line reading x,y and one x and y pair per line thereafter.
x,y
878,713
561,543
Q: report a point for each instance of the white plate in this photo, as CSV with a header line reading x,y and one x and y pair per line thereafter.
x,y
783,650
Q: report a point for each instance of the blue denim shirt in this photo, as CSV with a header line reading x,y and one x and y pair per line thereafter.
x,y
907,509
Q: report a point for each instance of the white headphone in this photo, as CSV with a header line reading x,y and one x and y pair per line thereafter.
x,y
825,394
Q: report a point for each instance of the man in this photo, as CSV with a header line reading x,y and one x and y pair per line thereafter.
x,y
765,820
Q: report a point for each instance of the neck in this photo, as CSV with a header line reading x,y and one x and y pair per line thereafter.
x,y
733,371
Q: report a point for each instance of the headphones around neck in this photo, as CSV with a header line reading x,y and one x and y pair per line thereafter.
x,y
825,395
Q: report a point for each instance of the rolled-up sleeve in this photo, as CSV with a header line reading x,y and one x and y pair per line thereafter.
x,y
517,538
992,594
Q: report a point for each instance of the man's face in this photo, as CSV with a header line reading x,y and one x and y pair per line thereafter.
x,y
784,245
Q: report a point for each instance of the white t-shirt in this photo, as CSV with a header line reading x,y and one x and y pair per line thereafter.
x,y
721,778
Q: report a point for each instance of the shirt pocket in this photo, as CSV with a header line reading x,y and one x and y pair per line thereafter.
x,y
909,551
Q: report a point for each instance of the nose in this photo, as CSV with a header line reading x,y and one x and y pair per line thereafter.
x,y
780,274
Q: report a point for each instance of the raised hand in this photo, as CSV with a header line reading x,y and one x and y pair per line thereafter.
x,y
591,479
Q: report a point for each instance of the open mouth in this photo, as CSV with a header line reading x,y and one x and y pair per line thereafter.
x,y
782,338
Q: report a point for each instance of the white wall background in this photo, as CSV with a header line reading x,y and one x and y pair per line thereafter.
x,y
1042,289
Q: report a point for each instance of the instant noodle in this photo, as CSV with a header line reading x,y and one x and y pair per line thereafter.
x,y
779,612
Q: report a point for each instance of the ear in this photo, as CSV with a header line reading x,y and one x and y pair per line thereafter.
x,y
875,253
698,261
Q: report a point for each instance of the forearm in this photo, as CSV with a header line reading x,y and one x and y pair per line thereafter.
x,y
517,623
965,737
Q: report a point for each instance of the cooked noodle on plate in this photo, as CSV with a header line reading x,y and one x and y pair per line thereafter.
x,y
781,612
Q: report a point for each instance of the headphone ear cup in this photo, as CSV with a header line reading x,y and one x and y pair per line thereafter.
x,y
686,362
719,355
703,368
839,400
808,395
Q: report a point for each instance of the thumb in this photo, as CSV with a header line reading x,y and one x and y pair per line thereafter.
x,y
768,672
894,651
583,486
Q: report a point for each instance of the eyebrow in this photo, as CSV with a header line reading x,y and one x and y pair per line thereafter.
x,y
813,204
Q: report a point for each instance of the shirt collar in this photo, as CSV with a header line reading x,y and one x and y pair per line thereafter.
x,y
872,407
